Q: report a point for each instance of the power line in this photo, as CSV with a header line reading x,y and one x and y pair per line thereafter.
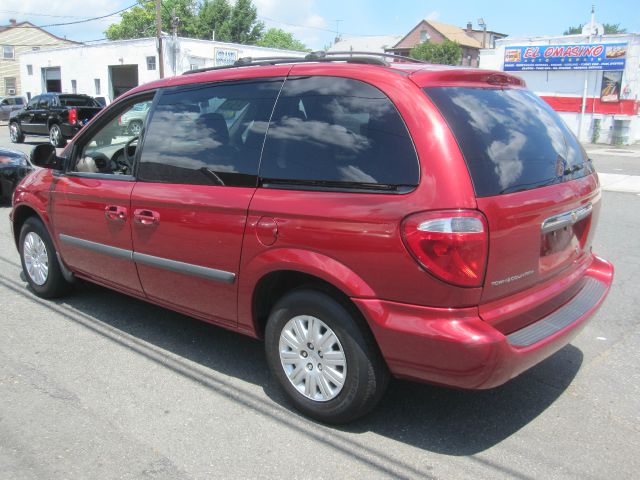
x,y
84,20
33,14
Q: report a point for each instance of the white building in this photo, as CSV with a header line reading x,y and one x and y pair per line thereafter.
x,y
555,68
369,43
109,69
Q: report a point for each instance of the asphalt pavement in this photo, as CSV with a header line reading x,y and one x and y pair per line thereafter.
x,y
102,386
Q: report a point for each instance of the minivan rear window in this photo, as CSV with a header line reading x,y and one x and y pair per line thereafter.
x,y
511,139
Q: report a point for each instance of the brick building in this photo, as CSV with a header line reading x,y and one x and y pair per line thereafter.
x,y
470,40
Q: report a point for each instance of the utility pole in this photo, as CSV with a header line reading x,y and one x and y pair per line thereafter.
x,y
159,37
175,21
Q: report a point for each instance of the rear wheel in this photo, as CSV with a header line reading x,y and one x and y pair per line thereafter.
x,y
55,136
325,361
15,133
40,262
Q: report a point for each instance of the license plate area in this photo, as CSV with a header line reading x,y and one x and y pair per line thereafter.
x,y
563,237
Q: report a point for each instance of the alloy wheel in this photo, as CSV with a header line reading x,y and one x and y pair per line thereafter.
x,y
36,258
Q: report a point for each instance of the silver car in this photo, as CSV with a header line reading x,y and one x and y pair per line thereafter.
x,y
8,104
132,121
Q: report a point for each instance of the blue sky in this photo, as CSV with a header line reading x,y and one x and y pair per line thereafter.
x,y
314,21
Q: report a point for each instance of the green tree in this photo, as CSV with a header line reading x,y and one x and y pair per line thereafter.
x,y
140,21
609,29
213,17
231,22
445,53
243,24
278,38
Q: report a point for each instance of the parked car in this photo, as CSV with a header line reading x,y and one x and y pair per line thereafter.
x,y
366,219
56,115
14,166
132,121
9,104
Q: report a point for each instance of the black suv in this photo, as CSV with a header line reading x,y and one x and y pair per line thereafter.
x,y
57,115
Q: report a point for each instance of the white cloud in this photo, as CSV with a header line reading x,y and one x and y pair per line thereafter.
x,y
434,15
298,17
67,11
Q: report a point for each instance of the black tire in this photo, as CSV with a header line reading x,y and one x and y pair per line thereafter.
x,y
366,375
55,284
55,136
15,133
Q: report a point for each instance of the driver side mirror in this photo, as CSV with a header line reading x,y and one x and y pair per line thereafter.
x,y
44,156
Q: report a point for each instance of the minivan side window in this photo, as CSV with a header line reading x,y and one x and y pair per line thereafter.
x,y
330,132
209,134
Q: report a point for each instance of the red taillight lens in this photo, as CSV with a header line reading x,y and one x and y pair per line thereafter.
x,y
452,245
73,116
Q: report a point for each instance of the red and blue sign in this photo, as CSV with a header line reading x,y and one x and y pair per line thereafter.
x,y
591,56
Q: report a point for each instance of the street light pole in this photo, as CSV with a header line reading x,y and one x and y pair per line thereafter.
x,y
586,76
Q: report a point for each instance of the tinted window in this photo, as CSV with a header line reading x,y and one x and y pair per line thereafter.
x,y
337,132
76,101
209,134
44,102
18,101
510,139
33,103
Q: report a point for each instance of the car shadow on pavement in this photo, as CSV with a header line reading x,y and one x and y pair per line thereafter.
x,y
441,420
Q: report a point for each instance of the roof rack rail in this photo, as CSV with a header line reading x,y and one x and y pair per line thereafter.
x,y
320,56
373,54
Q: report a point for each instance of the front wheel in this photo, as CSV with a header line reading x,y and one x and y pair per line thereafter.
x,y
135,127
323,357
55,136
15,133
40,262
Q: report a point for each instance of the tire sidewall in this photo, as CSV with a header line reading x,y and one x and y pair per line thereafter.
x,y
345,405
19,138
55,283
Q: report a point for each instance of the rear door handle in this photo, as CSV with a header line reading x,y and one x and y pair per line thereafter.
x,y
115,213
146,217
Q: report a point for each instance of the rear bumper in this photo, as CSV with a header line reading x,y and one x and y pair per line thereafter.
x,y
455,347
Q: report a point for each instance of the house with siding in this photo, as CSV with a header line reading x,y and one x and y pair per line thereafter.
x,y
430,31
15,39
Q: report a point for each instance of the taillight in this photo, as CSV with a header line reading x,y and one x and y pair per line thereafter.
x,y
452,245
73,116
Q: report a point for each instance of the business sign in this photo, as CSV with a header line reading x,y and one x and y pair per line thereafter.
x,y
611,83
225,56
593,56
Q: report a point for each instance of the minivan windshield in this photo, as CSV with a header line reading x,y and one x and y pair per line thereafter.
x,y
510,138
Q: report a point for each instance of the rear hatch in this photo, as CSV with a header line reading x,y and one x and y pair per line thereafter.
x,y
536,187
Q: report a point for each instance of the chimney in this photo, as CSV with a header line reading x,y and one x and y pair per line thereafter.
x,y
12,21
469,27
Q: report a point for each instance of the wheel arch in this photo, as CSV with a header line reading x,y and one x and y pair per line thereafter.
x,y
280,271
20,215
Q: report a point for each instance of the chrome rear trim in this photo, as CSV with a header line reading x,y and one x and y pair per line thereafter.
x,y
566,219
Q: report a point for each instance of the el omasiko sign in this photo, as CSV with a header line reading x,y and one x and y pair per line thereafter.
x,y
592,56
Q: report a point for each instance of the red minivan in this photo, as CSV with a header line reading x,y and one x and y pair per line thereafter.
x,y
365,218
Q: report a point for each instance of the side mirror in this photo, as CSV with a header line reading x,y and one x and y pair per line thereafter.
x,y
44,156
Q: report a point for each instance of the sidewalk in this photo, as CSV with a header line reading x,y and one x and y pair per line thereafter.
x,y
612,150
615,182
